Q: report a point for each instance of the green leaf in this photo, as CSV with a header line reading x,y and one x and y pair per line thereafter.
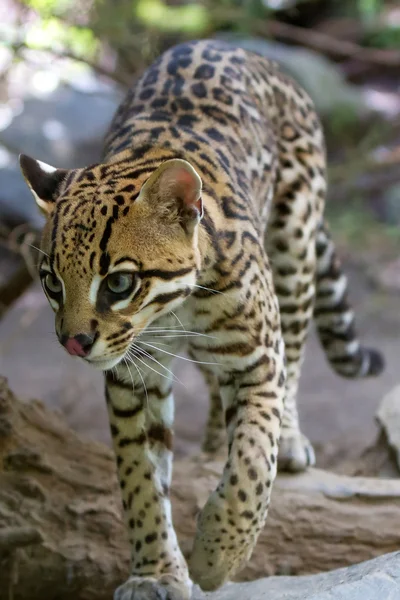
x,y
192,18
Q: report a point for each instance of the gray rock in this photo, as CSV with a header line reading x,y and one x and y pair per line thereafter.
x,y
391,202
388,417
320,77
16,202
377,579
65,128
55,127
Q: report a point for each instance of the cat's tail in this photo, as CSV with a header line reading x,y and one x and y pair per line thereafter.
x,y
334,316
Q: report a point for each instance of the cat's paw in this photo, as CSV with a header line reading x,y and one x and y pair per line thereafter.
x,y
147,588
219,550
295,452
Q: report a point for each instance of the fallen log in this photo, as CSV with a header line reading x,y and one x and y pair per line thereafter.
x,y
62,536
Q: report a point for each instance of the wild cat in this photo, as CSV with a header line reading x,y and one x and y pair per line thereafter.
x,y
207,211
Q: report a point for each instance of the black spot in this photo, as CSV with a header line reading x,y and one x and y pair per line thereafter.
x,y
184,49
214,134
191,146
177,87
220,95
91,259
204,71
178,62
151,76
128,188
236,60
159,103
242,495
199,90
103,210
147,94
184,103
252,473
211,55
187,120
275,412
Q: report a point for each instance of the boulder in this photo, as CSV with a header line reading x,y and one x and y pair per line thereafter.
x,y
377,579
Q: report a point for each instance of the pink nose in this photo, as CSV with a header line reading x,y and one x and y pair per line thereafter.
x,y
79,345
74,347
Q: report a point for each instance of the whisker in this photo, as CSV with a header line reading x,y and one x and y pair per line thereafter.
x,y
182,332
199,362
39,250
178,319
151,368
140,375
147,355
176,335
201,287
151,357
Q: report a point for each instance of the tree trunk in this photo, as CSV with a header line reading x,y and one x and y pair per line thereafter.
x,y
62,536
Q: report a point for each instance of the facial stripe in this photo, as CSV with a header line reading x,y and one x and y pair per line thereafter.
x,y
127,259
163,274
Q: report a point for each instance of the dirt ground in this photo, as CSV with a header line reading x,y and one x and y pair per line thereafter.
x,y
337,415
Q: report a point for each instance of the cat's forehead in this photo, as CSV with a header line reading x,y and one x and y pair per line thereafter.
x,y
83,230
118,182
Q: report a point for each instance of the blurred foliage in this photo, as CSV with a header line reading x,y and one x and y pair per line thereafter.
x,y
120,37
385,37
144,27
369,9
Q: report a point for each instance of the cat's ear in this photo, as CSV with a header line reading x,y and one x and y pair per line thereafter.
x,y
43,180
175,189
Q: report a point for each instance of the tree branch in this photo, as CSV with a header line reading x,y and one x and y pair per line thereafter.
x,y
325,44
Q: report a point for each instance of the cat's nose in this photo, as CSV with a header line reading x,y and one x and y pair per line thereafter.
x,y
79,345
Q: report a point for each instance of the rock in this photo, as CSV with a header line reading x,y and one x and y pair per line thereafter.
x,y
319,76
65,128
377,579
59,497
387,277
391,201
388,416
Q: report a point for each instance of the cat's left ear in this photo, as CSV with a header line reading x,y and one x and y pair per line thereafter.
x,y
175,190
43,180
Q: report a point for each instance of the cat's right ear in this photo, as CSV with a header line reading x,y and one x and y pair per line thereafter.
x,y
43,180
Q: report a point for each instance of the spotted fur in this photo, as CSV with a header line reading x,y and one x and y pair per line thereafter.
x,y
208,204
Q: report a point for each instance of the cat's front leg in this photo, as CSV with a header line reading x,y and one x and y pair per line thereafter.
x,y
141,427
235,513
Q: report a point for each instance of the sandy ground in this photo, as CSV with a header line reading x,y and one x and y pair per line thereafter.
x,y
337,415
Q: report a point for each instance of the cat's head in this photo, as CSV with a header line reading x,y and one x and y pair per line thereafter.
x,y
119,249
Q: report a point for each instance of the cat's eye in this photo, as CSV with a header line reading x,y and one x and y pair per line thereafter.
x,y
119,283
52,284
